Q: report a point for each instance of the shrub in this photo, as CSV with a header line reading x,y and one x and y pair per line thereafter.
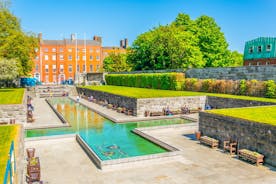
x,y
270,91
242,87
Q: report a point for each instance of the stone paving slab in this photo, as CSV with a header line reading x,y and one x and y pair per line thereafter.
x,y
196,164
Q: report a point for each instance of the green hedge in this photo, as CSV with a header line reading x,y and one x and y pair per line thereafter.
x,y
167,81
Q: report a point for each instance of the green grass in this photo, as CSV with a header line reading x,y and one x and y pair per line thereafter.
x,y
262,114
11,95
7,134
155,93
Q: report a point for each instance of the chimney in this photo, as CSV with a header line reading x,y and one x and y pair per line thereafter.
x,y
126,43
122,43
97,38
40,37
73,37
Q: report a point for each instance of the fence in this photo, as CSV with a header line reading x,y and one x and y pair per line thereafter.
x,y
11,167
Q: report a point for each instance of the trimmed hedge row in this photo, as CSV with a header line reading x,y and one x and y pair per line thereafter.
x,y
242,87
177,81
167,81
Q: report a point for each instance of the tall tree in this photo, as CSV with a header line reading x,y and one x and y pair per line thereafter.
x,y
116,63
14,43
8,71
212,42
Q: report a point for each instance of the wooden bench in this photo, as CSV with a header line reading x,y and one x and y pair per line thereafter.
x,y
209,141
230,146
251,156
156,113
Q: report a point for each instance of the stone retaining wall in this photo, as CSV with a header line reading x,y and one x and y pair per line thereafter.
x,y
174,103
250,135
235,73
222,103
16,111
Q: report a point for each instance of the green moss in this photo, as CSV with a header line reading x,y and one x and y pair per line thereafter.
x,y
11,95
7,134
155,93
262,114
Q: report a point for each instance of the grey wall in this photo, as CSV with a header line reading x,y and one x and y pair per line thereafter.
x,y
222,103
235,73
17,112
250,135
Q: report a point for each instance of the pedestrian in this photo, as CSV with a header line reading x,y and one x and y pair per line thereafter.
x,y
78,99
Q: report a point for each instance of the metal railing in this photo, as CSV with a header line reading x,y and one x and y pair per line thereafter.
x,y
11,166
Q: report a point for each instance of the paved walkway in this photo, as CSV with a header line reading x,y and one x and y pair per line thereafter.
x,y
43,114
197,164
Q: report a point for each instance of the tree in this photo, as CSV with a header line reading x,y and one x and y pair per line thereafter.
x,y
116,63
212,43
165,47
14,43
236,59
8,71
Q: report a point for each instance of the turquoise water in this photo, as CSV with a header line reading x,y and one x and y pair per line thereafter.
x,y
108,139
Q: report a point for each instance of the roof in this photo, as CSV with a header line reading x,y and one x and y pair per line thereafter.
x,y
71,42
113,48
251,48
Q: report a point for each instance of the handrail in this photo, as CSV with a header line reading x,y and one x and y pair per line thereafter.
x,y
11,166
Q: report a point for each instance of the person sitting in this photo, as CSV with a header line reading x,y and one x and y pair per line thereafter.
x,y
208,107
185,110
78,99
167,111
90,99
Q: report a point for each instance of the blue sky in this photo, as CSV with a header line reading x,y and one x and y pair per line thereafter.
x,y
240,20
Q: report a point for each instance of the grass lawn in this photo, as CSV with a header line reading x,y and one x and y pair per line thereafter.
x,y
259,114
154,93
11,96
7,134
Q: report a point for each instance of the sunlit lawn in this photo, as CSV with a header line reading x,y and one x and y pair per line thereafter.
x,y
7,134
259,114
155,93
11,95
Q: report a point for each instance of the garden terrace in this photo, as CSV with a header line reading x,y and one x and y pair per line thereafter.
x,y
8,133
265,115
11,96
157,93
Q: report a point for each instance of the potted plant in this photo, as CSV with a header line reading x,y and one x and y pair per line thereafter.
x,y
197,135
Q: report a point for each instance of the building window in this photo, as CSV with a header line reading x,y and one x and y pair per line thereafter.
x,y
250,50
267,63
54,68
46,50
78,57
46,57
259,48
70,50
98,50
268,48
54,57
91,68
83,50
36,67
90,58
98,58
70,58
36,57
83,58
78,68
54,50
61,68
46,68
83,68
70,69
98,67
60,49
91,50
61,57
46,78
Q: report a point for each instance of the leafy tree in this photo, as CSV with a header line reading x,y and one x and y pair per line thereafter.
x,y
14,43
236,59
116,63
212,42
8,71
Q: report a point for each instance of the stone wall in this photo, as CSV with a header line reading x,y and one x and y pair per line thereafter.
x,y
174,103
17,112
121,101
222,103
235,73
250,135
